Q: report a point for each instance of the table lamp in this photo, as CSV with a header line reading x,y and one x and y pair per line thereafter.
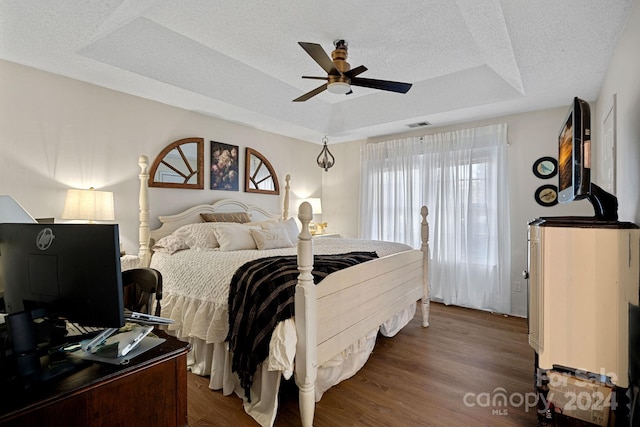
x,y
89,205
316,207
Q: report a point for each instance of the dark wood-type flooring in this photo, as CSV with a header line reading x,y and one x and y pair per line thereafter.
x,y
420,377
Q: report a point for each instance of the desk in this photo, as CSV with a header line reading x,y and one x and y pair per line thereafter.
x,y
150,391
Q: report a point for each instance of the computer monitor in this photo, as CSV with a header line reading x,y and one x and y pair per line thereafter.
x,y
11,211
55,273
71,271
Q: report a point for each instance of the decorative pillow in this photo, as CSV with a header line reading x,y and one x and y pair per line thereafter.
x,y
234,237
239,217
271,239
170,244
262,223
290,226
201,236
292,229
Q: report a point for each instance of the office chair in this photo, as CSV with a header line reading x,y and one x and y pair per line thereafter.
x,y
139,287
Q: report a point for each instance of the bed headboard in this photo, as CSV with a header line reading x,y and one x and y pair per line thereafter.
x,y
170,223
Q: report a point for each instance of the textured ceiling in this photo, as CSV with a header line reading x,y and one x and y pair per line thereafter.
x,y
240,61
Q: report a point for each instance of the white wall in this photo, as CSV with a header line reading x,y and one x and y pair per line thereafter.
x,y
623,80
58,133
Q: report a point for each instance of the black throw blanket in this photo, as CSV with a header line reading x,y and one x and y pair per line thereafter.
x,y
261,295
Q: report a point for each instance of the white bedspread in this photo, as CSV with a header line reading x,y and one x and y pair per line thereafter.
x,y
196,283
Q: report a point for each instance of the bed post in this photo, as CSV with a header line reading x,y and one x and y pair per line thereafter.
x,y
143,231
424,247
287,187
306,366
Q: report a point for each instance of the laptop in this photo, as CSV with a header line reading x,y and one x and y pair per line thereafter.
x,y
137,317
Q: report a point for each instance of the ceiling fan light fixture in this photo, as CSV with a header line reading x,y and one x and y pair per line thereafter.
x,y
340,76
339,88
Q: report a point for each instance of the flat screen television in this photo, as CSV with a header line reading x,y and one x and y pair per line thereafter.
x,y
574,153
55,273
574,164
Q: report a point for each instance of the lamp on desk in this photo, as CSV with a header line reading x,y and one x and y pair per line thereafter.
x,y
316,207
12,211
89,205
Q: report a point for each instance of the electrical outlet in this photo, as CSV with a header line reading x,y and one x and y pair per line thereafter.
x,y
517,287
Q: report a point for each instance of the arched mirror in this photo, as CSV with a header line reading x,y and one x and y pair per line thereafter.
x,y
179,165
259,175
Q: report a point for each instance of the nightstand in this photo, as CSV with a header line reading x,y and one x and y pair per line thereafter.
x,y
127,262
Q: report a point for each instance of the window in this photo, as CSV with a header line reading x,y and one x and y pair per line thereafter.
x,y
461,177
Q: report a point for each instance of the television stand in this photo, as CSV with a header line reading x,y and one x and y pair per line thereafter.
x,y
604,204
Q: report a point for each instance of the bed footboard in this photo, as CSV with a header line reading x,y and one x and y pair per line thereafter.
x,y
424,248
350,303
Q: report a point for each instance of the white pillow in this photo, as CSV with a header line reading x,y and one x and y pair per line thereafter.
x,y
235,237
170,244
271,239
261,223
201,236
290,226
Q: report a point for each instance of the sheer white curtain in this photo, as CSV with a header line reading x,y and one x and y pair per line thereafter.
x,y
462,178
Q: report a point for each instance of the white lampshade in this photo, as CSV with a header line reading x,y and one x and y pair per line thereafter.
x,y
89,205
316,205
12,211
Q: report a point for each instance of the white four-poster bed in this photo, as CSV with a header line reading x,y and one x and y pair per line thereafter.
x,y
335,322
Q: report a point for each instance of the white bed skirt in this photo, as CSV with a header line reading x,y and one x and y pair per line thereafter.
x,y
215,360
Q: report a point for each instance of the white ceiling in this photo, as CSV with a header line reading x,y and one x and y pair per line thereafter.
x,y
240,61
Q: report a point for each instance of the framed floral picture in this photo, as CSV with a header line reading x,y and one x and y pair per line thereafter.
x,y
225,160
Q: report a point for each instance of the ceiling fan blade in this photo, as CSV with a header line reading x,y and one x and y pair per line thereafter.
x,y
315,78
355,71
311,93
320,56
382,84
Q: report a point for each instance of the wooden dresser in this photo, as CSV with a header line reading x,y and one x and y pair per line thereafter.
x,y
582,278
150,391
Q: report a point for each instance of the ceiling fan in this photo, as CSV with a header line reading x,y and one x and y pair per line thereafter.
x,y
340,76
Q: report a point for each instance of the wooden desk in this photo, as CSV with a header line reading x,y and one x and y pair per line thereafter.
x,y
150,391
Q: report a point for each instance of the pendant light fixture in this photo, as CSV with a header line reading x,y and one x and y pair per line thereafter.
x,y
325,158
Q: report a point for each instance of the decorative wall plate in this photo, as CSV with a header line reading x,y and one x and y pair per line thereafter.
x,y
547,195
545,167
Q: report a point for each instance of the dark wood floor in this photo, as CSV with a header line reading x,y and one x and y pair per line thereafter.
x,y
444,375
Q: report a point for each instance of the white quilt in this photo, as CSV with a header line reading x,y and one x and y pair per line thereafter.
x,y
196,283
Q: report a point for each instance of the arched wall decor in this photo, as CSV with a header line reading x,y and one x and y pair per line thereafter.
x,y
179,165
259,175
